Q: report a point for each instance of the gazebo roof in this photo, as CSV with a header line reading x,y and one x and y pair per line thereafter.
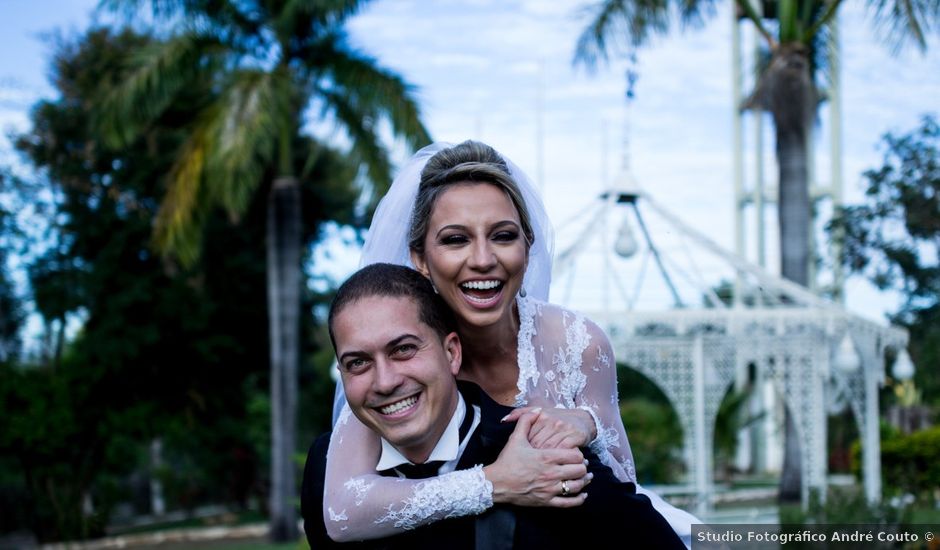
x,y
693,282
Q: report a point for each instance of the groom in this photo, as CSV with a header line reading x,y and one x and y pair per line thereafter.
x,y
398,353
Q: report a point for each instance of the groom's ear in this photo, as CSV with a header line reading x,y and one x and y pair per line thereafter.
x,y
453,352
417,259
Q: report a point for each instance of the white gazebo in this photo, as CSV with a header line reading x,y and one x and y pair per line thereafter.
x,y
804,351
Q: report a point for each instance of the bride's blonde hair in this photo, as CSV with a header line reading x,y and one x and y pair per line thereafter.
x,y
470,161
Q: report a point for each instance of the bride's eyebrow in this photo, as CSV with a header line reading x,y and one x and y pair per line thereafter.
x,y
454,226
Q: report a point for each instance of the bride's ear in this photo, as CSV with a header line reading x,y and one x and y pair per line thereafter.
x,y
417,259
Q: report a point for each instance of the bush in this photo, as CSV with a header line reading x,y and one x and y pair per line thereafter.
x,y
655,438
911,463
652,427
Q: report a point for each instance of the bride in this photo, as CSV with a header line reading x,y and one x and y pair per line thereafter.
x,y
471,222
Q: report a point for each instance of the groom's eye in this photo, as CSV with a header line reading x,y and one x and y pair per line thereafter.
x,y
404,351
355,366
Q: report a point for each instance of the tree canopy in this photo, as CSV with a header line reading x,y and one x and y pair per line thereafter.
x,y
893,239
164,351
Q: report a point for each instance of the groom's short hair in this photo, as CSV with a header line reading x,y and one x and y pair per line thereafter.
x,y
394,281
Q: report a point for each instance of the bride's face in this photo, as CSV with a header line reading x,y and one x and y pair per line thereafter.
x,y
475,252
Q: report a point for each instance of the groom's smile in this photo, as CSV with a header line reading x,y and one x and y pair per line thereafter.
x,y
400,407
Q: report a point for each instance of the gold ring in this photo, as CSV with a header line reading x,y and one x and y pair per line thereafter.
x,y
564,488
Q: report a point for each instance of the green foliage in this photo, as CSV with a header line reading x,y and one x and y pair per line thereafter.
x,y
883,238
11,309
164,352
886,431
911,463
11,314
652,427
731,418
894,240
270,66
846,505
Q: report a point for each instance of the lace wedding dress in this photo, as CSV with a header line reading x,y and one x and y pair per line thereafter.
x,y
565,360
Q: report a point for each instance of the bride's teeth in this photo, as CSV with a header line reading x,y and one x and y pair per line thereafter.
x,y
481,285
395,407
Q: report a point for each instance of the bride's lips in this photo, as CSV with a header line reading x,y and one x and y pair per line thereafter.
x,y
482,293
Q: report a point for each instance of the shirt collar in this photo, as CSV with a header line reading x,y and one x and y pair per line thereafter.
x,y
447,448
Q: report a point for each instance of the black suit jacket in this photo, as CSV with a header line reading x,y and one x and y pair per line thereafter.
x,y
613,516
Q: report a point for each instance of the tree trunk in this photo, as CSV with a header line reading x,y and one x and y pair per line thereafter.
x,y
791,98
284,243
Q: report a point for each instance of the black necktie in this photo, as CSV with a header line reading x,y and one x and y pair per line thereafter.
x,y
420,471
429,469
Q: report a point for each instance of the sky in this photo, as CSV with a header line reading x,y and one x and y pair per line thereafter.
x,y
501,71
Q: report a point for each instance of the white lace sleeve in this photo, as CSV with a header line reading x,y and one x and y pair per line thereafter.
x,y
359,504
566,360
599,397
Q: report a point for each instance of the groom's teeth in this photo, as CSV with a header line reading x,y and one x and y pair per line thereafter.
x,y
481,285
395,407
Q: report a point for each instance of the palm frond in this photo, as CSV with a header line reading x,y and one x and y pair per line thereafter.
x,y
366,146
255,114
227,19
618,25
378,90
901,21
224,160
788,21
322,14
155,75
694,13
821,19
748,10
160,10
592,44
178,225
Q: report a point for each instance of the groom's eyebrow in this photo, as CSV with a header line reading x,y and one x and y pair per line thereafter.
x,y
391,344
351,354
394,342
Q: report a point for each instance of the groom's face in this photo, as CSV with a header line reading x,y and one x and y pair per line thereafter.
x,y
398,373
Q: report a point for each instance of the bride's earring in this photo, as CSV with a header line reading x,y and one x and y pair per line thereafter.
x,y
435,288
522,292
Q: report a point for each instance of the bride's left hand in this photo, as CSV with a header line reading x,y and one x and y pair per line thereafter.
x,y
558,428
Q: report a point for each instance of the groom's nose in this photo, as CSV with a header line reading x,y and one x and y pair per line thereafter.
x,y
387,378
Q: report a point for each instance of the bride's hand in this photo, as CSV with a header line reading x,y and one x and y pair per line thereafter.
x,y
558,428
525,476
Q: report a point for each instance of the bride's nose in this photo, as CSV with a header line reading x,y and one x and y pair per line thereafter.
x,y
482,256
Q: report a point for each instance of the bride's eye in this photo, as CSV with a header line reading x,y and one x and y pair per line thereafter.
x,y
453,239
506,236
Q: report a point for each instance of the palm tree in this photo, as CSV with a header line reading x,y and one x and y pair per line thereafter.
x,y
786,88
274,64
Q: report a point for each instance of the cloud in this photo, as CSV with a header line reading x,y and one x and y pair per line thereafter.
x,y
479,65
